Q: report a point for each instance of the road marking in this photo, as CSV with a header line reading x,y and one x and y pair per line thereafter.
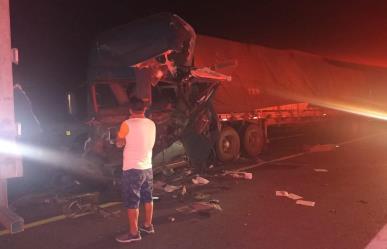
x,y
58,218
380,240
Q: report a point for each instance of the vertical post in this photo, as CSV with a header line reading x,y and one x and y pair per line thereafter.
x,y
3,193
9,165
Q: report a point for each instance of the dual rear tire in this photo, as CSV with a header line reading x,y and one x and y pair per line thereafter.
x,y
251,139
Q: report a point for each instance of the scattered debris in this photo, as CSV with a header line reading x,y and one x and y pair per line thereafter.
x,y
171,188
322,147
281,193
187,172
155,198
306,203
294,196
288,195
241,175
201,196
321,170
75,206
205,207
200,181
171,219
214,201
183,191
211,166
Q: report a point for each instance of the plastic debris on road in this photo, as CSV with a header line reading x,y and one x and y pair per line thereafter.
x,y
200,181
281,193
239,175
306,203
321,170
322,147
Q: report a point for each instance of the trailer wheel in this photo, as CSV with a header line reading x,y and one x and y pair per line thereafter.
x,y
253,140
228,145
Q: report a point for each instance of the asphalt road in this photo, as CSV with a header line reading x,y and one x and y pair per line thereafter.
x,y
350,208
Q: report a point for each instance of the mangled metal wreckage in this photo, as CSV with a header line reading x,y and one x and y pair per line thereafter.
x,y
153,60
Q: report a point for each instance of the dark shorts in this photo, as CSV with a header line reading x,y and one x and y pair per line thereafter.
x,y
137,186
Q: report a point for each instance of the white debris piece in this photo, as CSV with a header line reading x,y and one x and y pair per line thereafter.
x,y
171,188
321,170
294,196
306,203
242,175
200,181
281,193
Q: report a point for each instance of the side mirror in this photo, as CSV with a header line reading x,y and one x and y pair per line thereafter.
x,y
71,104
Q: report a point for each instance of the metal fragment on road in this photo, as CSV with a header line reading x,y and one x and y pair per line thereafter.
x,y
320,170
306,203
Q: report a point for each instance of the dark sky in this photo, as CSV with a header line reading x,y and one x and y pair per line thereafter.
x,y
54,36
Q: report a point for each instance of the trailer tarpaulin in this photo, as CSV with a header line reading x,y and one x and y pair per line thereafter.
x,y
264,77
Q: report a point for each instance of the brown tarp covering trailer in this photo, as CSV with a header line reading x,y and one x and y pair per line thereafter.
x,y
264,77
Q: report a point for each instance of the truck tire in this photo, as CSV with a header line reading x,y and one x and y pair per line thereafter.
x,y
253,140
228,145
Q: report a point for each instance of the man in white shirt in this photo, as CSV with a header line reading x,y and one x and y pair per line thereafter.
x,y
137,135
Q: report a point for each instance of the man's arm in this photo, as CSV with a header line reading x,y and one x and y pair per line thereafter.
x,y
124,130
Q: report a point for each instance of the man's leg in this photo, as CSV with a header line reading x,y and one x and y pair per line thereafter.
x,y
148,206
133,220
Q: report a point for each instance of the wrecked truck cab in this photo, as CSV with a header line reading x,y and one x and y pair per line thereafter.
x,y
152,60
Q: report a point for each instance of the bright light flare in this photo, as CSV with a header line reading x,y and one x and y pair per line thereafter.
x,y
356,107
64,160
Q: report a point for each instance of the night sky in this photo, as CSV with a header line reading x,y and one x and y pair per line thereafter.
x,y
54,36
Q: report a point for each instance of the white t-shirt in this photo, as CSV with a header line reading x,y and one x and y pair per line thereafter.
x,y
140,138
